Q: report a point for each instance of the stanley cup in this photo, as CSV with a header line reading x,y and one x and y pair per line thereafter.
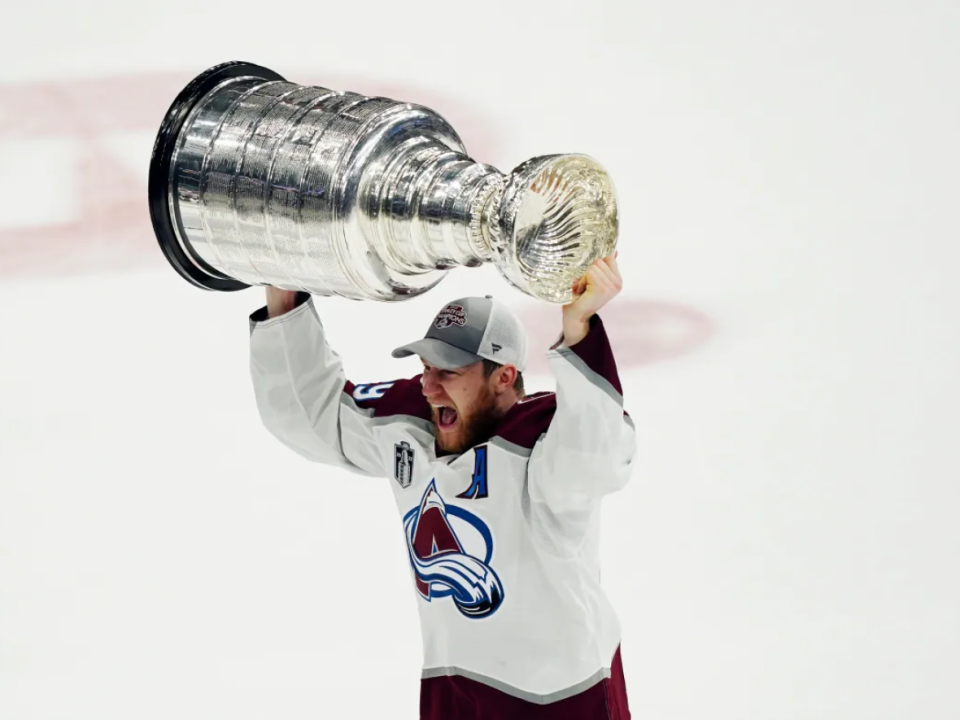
x,y
258,181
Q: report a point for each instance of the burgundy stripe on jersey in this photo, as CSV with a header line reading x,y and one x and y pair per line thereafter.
x,y
453,697
403,397
528,419
596,352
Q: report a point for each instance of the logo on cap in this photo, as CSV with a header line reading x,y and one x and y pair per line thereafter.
x,y
451,315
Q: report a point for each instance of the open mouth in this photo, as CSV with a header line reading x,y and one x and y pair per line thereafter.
x,y
446,417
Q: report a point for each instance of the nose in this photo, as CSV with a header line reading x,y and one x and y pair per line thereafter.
x,y
431,383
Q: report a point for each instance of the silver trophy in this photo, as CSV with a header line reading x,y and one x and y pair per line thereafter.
x,y
258,181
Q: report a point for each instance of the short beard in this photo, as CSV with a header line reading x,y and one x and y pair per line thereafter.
x,y
475,428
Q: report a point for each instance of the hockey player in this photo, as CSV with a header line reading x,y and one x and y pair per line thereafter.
x,y
498,492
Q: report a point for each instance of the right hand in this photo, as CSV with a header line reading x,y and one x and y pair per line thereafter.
x,y
280,302
599,285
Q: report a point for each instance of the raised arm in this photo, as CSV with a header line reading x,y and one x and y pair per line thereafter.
x,y
302,393
589,446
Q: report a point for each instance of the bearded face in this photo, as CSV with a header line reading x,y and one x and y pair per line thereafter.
x,y
459,428
464,406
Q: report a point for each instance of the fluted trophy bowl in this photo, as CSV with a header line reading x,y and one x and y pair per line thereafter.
x,y
258,181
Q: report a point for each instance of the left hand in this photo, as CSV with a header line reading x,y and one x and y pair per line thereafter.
x,y
599,285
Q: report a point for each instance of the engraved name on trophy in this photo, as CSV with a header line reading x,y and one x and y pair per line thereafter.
x,y
258,181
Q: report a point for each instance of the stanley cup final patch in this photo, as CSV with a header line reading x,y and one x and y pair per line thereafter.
x,y
403,464
451,315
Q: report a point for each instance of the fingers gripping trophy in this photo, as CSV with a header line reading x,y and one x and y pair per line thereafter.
x,y
257,181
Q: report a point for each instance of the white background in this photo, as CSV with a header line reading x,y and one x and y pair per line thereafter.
x,y
788,546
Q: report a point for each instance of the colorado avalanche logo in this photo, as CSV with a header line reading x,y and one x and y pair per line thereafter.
x,y
441,559
451,315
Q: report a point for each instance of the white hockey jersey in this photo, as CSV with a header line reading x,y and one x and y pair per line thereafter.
x,y
503,540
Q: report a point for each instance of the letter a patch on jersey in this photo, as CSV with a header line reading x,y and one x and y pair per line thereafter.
x,y
478,485
450,551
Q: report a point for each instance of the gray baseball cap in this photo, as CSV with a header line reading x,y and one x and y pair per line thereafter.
x,y
469,330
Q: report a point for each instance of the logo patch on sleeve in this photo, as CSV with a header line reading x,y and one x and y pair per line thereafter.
x,y
370,391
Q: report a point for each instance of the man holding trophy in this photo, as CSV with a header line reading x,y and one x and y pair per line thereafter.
x,y
306,191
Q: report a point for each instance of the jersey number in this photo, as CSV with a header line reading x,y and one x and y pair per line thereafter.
x,y
477,489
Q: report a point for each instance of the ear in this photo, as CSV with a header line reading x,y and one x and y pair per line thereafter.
x,y
504,378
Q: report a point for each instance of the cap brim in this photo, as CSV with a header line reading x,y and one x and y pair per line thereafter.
x,y
438,353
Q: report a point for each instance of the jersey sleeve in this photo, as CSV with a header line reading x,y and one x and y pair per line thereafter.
x,y
303,396
588,448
